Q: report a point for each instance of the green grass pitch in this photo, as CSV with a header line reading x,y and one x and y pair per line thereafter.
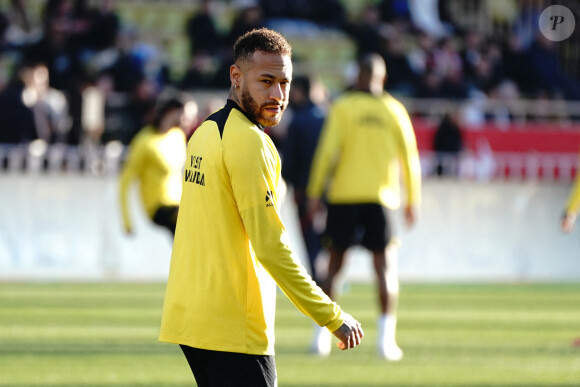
x,y
452,335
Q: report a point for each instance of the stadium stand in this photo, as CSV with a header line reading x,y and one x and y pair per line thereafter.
x,y
459,56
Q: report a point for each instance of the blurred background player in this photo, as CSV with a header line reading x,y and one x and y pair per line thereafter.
x,y
298,151
156,158
572,207
569,219
366,141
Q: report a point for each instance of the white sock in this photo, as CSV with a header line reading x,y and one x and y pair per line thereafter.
x,y
387,344
322,341
387,326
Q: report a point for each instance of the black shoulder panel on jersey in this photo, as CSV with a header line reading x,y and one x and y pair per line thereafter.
x,y
221,116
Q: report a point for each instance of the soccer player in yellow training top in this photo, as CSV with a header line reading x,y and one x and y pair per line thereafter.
x,y
572,207
569,218
156,159
231,247
367,139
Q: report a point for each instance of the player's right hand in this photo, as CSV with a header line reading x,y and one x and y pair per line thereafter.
x,y
313,206
350,333
567,223
411,213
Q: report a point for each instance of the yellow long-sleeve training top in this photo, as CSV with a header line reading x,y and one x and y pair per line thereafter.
x,y
231,247
156,161
573,203
366,144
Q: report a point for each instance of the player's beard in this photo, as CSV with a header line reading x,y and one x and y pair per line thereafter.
x,y
254,112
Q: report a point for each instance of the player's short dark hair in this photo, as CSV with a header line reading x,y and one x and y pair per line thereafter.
x,y
262,39
165,107
371,63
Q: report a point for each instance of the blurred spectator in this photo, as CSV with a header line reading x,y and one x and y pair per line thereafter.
x,y
16,118
20,30
394,10
200,74
31,97
526,25
202,34
94,96
49,106
430,86
401,79
516,65
548,70
366,31
58,50
127,115
422,55
139,109
487,72
221,78
506,97
105,27
126,70
248,17
82,19
325,13
55,47
449,19
448,144
446,58
330,14
425,16
449,67
471,53
298,150
4,23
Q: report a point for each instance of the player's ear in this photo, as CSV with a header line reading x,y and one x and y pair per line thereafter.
x,y
235,75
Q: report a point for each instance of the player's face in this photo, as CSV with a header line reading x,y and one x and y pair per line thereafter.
x,y
265,87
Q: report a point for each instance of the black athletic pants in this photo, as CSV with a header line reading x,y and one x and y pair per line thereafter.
x,y
230,369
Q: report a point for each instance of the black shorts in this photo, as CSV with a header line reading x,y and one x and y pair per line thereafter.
x,y
166,216
367,224
230,369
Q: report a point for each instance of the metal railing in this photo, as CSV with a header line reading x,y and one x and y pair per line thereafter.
x,y
549,167
37,157
516,111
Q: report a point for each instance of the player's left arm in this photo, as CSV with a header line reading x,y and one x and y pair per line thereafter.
x,y
410,164
129,172
326,152
572,207
253,171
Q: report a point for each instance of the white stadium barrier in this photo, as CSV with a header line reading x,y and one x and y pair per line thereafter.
x,y
67,227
